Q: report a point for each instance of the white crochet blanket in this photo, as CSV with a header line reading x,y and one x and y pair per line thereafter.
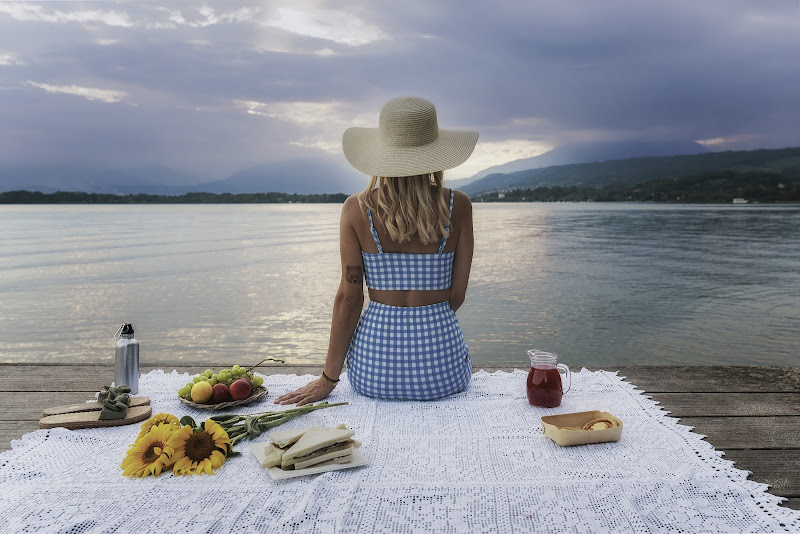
x,y
474,462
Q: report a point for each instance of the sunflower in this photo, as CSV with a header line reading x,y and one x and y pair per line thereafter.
x,y
152,453
159,419
200,450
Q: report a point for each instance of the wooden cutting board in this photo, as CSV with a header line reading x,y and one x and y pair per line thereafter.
x,y
87,415
91,407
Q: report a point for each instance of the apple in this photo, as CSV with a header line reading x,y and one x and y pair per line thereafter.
x,y
240,389
220,393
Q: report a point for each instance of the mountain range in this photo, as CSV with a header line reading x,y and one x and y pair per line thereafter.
x,y
593,164
291,176
629,171
588,153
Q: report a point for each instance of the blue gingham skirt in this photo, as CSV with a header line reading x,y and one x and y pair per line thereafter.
x,y
411,353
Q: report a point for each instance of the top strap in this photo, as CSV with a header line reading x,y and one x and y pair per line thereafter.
x,y
447,228
374,232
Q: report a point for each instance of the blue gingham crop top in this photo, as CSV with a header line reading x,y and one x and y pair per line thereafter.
x,y
406,271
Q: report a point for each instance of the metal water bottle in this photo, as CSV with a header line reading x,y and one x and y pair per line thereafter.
x,y
126,358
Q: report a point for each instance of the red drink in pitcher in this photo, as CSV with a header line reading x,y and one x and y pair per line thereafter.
x,y
544,387
544,379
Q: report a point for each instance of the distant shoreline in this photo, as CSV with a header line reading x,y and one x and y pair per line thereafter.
x,y
66,197
542,195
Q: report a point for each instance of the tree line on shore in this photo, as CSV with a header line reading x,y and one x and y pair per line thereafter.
x,y
706,187
68,197
702,188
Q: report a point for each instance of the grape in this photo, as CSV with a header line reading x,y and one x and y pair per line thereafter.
x,y
189,384
197,379
215,376
212,381
259,381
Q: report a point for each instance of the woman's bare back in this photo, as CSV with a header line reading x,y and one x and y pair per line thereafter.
x,y
461,217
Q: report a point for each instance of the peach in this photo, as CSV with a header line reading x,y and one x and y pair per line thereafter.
x,y
220,393
240,389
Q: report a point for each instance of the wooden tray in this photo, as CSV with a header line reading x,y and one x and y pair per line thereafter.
x,y
80,417
257,393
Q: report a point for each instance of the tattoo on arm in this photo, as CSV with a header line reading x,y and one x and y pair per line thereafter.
x,y
354,274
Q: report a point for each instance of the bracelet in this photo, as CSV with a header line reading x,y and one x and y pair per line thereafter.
x,y
329,379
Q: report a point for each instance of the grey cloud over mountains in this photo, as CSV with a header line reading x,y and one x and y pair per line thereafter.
x,y
218,88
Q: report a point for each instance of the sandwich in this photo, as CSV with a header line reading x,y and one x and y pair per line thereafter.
x,y
286,438
281,441
318,445
309,447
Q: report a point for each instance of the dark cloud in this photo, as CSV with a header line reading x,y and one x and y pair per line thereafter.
x,y
545,72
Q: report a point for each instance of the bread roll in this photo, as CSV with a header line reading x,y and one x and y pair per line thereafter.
x,y
599,424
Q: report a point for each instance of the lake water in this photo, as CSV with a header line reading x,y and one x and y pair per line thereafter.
x,y
599,284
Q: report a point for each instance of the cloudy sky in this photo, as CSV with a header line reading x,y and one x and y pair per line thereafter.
x,y
212,88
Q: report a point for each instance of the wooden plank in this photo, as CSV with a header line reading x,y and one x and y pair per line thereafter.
x,y
729,433
653,379
10,430
95,406
28,406
78,378
729,404
722,379
270,367
793,503
778,468
81,377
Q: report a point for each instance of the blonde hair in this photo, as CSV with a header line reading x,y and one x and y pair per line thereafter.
x,y
409,206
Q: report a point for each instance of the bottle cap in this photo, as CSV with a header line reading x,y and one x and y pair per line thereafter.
x,y
125,330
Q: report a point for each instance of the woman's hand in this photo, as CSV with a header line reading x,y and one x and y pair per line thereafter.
x,y
311,392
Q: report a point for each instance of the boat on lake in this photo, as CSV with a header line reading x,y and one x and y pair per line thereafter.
x,y
740,200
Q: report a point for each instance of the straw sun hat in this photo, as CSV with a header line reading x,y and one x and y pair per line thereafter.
x,y
407,142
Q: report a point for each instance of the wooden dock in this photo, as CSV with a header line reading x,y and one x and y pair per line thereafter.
x,y
751,413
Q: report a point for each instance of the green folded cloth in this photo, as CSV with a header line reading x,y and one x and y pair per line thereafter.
x,y
115,406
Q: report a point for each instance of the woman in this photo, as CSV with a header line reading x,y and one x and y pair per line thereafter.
x,y
411,240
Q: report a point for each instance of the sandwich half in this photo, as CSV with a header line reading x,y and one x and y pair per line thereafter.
x,y
281,441
285,438
319,445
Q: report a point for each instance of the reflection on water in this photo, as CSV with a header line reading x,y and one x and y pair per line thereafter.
x,y
599,284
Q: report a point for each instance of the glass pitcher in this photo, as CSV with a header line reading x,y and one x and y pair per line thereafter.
x,y
545,387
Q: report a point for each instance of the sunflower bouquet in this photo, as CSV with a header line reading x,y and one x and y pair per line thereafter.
x,y
165,443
